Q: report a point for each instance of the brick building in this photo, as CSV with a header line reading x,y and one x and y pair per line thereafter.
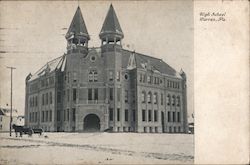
x,y
93,89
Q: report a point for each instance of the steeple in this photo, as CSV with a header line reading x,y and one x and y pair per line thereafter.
x,y
111,32
77,35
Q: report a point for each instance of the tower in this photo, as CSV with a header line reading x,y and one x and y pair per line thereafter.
x,y
111,33
77,36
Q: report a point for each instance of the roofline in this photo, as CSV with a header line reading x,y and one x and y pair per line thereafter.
x,y
141,54
47,64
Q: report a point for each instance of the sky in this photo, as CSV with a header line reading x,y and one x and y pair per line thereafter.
x,y
33,33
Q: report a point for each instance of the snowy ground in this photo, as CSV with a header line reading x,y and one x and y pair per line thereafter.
x,y
97,148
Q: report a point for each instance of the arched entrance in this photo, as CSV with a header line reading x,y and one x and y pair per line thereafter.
x,y
91,123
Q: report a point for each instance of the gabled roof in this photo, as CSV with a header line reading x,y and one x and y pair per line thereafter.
x,y
77,25
58,63
111,23
142,61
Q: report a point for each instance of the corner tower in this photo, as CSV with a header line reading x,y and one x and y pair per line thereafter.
x,y
111,33
77,36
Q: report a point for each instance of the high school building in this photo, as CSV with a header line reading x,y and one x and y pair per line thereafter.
x,y
106,87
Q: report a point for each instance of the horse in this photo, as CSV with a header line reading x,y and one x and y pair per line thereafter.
x,y
22,130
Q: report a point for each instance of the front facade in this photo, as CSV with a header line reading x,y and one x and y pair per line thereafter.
x,y
107,87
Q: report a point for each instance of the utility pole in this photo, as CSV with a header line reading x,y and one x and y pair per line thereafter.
x,y
11,70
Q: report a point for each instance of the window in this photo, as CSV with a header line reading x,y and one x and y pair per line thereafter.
x,y
47,116
43,99
50,98
111,76
168,99
155,115
149,115
173,116
93,75
143,97
133,114
67,114
143,115
95,94
111,114
149,97
118,114
140,78
30,102
148,79
111,93
161,98
126,115
35,117
155,98
169,117
58,97
178,101
126,76
178,117
47,98
89,94
36,101
58,116
50,115
74,76
173,100
118,94
144,78
73,114
68,95
93,59
64,115
74,94
118,76
126,96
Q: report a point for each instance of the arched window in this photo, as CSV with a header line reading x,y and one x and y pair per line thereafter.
x,y
143,95
149,97
173,100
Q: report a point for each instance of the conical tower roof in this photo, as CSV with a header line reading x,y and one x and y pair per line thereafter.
x,y
77,25
111,23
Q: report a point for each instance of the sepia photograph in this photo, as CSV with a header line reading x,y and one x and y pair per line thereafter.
x,y
96,82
